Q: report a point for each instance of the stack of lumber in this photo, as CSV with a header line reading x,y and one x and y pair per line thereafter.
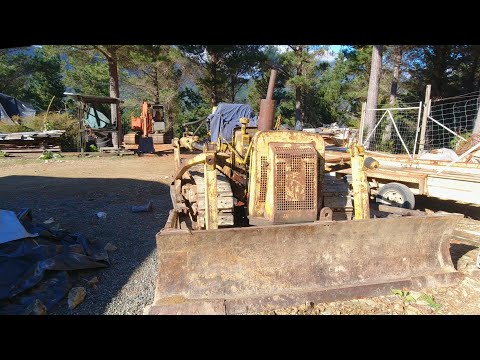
x,y
31,141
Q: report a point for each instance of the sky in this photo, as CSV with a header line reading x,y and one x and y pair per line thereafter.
x,y
329,56
335,48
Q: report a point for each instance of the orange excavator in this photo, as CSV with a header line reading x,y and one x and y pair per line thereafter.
x,y
147,130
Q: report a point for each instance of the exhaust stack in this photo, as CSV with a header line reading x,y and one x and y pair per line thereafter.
x,y
267,106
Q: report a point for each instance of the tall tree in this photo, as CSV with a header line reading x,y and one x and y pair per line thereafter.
x,y
298,59
153,72
373,85
242,63
211,78
302,65
33,78
397,63
396,58
258,87
223,68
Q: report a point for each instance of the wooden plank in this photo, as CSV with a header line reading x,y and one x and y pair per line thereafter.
x,y
394,175
401,161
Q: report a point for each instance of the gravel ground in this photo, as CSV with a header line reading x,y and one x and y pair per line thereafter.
x,y
72,190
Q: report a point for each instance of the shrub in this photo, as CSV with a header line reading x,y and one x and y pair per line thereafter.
x,y
54,121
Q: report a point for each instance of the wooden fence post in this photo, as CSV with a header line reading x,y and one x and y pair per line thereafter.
x,y
426,112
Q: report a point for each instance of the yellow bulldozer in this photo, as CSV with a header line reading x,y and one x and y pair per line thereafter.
x,y
256,224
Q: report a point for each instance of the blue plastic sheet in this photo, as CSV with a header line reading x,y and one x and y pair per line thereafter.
x,y
227,117
10,106
40,267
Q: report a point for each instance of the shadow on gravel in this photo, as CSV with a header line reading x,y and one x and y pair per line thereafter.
x,y
458,250
73,203
423,202
157,153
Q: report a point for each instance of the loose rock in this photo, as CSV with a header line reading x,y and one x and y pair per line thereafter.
x,y
110,247
39,308
93,281
76,296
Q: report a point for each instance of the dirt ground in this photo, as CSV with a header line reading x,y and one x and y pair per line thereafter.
x,y
73,190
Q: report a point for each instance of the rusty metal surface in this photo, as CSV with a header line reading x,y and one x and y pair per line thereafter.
x,y
326,214
211,195
266,114
257,304
271,84
262,166
292,189
359,183
258,267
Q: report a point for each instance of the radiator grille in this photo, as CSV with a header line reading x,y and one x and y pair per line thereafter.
x,y
263,179
295,178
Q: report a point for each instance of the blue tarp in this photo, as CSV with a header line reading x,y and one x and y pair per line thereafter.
x,y
227,117
43,267
10,106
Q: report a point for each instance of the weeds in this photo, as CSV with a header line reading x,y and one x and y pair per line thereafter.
x,y
47,155
430,300
404,295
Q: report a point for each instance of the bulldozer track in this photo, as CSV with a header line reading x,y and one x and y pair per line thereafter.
x,y
225,197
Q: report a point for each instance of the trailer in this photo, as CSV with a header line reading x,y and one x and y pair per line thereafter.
x,y
399,178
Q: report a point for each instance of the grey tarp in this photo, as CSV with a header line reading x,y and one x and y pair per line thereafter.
x,y
227,117
40,267
11,228
10,106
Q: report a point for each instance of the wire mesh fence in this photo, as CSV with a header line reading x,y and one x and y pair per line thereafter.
x,y
394,129
451,121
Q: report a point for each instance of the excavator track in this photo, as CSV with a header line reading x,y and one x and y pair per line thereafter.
x,y
225,202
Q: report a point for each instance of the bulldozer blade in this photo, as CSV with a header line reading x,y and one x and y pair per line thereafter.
x,y
252,269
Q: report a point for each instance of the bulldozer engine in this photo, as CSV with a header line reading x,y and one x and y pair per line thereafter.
x,y
286,174
257,224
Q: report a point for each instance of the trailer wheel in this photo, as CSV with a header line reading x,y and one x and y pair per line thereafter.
x,y
396,194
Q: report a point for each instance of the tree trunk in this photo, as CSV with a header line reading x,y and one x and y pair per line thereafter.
x,y
397,62
232,89
168,120
298,93
440,64
156,86
372,96
298,109
115,92
214,97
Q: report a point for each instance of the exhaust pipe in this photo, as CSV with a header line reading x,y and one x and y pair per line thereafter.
x,y
267,106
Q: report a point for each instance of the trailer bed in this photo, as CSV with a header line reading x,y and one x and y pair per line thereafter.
x,y
459,182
